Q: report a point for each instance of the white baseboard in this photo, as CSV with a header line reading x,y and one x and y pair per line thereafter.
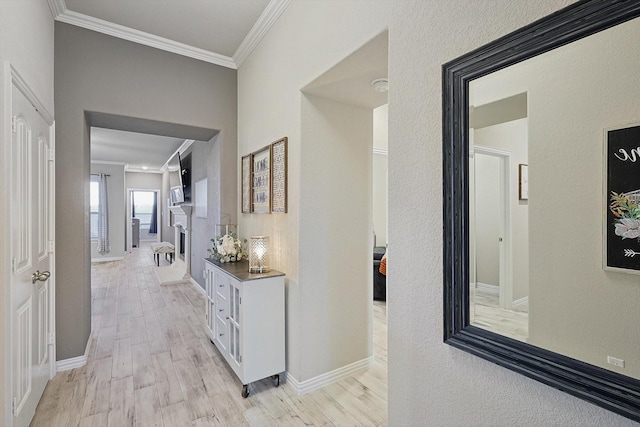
x,y
303,387
74,362
198,287
107,259
486,286
521,301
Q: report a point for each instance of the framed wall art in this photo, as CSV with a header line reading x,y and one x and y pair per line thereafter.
x,y
261,181
246,184
279,176
622,199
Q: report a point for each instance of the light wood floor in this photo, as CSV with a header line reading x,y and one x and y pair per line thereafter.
x,y
150,363
487,314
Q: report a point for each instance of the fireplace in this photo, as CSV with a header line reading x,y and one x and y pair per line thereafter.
x,y
183,236
180,270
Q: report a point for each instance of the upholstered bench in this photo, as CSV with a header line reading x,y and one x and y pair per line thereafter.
x,y
165,248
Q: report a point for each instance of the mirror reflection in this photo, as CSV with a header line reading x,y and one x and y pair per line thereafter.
x,y
537,246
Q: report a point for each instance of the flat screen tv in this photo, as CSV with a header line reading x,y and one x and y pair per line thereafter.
x,y
176,192
185,167
179,169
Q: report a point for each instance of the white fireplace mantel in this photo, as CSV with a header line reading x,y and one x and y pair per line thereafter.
x,y
179,271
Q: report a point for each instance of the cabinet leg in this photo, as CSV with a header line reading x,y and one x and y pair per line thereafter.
x,y
276,380
245,390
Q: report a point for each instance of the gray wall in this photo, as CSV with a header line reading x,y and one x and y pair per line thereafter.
x,y
98,73
204,165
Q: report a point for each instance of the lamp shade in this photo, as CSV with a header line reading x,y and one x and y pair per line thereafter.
x,y
259,254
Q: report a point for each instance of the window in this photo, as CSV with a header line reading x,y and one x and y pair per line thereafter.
x,y
94,201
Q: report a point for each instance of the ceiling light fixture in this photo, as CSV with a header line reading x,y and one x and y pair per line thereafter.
x,y
381,84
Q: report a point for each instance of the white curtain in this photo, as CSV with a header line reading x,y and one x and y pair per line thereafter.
x,y
103,217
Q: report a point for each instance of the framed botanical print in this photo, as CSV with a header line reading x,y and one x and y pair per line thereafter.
x,y
622,199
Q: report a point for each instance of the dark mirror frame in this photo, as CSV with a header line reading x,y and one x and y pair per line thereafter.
x,y
615,392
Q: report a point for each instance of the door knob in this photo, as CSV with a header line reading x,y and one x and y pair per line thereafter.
x,y
40,276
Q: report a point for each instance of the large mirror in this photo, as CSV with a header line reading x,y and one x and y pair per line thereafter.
x,y
541,170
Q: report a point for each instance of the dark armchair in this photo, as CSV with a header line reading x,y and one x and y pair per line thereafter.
x,y
379,279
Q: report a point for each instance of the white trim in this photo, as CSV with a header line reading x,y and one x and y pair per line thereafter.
x,y
269,16
487,286
135,169
198,287
57,7
181,150
140,37
107,259
107,162
52,254
303,387
75,362
521,301
23,87
382,151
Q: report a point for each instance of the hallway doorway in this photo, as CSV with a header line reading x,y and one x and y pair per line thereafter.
x,y
145,216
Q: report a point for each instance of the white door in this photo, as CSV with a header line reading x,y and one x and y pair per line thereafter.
x,y
31,288
492,239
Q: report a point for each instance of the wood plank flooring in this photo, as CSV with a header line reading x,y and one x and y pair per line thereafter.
x,y
150,363
487,314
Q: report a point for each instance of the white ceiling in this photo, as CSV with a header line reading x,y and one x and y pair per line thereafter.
x,y
350,80
139,152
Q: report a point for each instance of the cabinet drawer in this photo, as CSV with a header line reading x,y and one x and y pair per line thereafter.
x,y
222,335
222,309
222,284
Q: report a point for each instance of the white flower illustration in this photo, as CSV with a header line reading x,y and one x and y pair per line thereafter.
x,y
628,228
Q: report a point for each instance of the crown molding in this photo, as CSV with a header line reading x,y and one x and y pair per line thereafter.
x,y
107,162
57,7
136,169
269,16
140,37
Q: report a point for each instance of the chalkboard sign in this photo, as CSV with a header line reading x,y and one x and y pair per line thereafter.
x,y
622,223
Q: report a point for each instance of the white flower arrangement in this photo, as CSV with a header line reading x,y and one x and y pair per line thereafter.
x,y
228,248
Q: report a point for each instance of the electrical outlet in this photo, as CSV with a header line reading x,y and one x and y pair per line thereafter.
x,y
615,361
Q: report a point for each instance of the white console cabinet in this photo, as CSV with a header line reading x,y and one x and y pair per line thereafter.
x,y
245,319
